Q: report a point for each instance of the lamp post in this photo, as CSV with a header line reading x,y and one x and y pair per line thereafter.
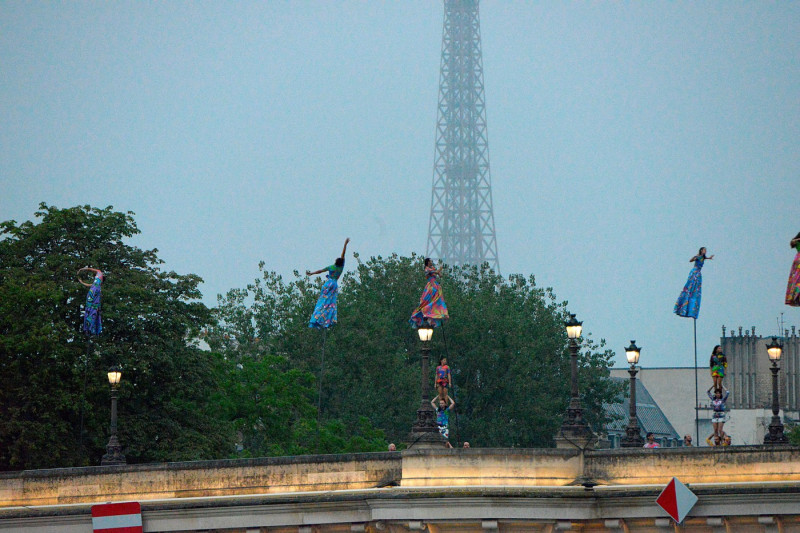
x,y
575,432
425,432
633,437
775,435
113,454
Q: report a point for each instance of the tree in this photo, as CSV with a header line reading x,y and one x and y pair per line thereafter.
x,y
505,342
149,320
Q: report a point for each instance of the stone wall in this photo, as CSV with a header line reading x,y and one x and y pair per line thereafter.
x,y
199,479
409,469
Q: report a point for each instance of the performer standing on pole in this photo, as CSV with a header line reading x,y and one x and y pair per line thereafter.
x,y
793,288
325,313
431,310
688,304
92,324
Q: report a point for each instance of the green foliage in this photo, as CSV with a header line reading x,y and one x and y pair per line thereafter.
x,y
149,317
793,433
505,342
272,409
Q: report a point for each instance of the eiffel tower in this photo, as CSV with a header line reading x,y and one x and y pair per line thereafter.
x,y
461,229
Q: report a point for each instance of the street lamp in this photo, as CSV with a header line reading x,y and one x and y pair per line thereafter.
x,y
775,435
633,437
425,432
574,430
113,454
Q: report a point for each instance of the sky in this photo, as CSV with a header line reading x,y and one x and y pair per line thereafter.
x,y
622,136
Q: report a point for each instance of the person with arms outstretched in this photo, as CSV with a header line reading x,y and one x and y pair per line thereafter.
x,y
688,304
325,312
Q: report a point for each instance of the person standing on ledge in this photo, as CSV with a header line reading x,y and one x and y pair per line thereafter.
x,y
719,416
651,441
443,417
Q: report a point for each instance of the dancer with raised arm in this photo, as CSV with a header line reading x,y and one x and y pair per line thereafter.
x,y
688,304
325,312
92,324
793,288
432,309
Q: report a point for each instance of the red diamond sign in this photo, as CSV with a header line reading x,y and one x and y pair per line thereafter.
x,y
677,500
117,518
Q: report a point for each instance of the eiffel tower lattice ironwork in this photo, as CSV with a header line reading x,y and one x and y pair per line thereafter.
x,y
461,229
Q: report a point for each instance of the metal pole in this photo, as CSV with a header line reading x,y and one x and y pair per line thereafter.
x,y
633,437
775,434
574,411
696,395
425,432
113,454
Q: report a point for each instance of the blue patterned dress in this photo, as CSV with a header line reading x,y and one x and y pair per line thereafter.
x,y
92,324
325,314
688,303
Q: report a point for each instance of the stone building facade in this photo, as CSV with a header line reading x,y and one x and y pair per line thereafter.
x,y
749,377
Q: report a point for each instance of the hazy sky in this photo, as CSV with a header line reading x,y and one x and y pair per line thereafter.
x,y
623,136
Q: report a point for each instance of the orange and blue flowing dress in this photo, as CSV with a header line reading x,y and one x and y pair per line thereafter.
x,y
793,288
92,325
432,308
325,314
688,303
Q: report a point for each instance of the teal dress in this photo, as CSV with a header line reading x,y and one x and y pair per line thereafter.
x,y
325,313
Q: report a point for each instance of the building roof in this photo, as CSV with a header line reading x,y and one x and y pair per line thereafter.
x,y
650,416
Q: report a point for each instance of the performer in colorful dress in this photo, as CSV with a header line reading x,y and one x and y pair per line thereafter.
x,y
718,363
688,303
443,417
719,415
92,325
325,313
793,288
432,310
443,378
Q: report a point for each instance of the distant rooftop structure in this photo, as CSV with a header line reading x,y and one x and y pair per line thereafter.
x,y
461,230
650,416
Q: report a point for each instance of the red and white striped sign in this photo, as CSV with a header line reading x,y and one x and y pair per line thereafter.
x,y
117,518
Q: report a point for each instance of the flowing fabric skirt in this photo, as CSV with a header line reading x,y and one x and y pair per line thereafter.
x,y
91,315
793,289
688,303
431,306
325,314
